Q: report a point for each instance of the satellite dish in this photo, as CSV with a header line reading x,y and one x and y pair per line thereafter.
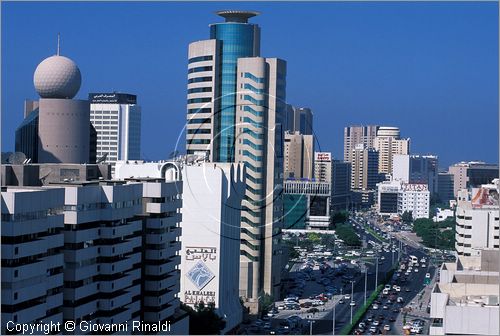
x,y
16,158
102,158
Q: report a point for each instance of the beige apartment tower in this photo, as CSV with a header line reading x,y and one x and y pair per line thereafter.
x,y
298,158
388,143
355,135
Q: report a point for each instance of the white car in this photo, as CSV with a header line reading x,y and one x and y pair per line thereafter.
x,y
398,289
347,297
427,275
387,327
416,270
423,266
353,303
373,329
375,323
375,306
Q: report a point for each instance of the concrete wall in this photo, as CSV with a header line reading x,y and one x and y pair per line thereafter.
x,y
64,131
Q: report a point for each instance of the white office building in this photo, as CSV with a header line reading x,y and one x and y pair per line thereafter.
x,y
414,198
477,219
211,214
298,156
210,261
396,197
116,118
465,300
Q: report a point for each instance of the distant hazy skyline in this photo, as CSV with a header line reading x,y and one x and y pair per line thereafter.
x,y
430,69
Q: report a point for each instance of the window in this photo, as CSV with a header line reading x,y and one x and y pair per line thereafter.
x,y
199,110
201,89
199,100
199,121
200,69
200,59
199,131
199,80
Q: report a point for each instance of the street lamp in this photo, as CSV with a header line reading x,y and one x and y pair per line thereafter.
x,y
311,327
366,276
352,297
333,320
376,273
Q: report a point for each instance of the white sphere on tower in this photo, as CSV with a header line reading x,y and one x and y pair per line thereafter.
x,y
57,77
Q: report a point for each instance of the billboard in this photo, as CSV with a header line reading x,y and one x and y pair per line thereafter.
x,y
484,197
323,156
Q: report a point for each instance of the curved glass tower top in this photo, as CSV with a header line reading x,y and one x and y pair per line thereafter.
x,y
238,39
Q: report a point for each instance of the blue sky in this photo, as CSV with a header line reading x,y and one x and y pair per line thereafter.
x,y
429,68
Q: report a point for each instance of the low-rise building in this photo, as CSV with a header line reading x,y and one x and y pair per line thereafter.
x,y
414,198
316,198
477,219
465,300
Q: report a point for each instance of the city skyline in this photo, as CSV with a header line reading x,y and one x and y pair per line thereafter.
x,y
448,74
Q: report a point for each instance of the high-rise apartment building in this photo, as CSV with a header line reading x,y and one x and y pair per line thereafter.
x,y
260,107
117,119
116,249
388,143
477,219
364,168
355,135
472,174
416,169
236,106
32,256
298,155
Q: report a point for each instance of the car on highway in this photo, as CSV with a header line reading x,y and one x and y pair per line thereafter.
x,y
353,303
375,323
427,275
373,329
375,306
416,270
347,297
387,327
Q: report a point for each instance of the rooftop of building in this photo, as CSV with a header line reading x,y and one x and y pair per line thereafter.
x,y
238,16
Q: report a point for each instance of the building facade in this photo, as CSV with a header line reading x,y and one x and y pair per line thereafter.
x,y
389,143
355,135
388,198
414,198
210,260
260,108
364,168
446,187
341,185
418,169
32,256
477,219
116,118
465,300
317,199
323,167
298,155
472,174
298,119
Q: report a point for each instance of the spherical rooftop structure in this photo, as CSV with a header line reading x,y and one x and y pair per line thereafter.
x,y
57,77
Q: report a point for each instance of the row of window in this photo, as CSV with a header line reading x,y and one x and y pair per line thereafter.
x,y
200,59
199,80
199,131
199,110
199,121
200,89
104,122
97,127
103,117
198,142
200,69
199,100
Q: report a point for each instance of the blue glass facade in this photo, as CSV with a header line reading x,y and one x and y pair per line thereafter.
x,y
238,40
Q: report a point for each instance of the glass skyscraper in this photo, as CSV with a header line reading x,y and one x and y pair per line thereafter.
x,y
238,39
